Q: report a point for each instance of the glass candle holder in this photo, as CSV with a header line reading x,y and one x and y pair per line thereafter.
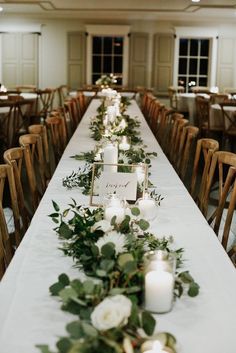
x,y
125,143
159,281
140,171
147,206
153,346
114,207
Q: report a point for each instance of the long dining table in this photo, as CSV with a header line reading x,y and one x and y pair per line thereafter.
x,y
30,316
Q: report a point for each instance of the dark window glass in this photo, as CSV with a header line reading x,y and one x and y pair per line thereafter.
x,y
204,47
97,64
118,45
97,45
119,80
203,66
107,45
203,81
182,66
107,69
118,64
183,47
193,66
95,78
193,47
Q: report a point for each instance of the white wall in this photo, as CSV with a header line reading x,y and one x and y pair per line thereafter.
x,y
53,42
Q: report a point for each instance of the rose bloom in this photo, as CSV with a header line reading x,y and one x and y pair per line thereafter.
x,y
111,312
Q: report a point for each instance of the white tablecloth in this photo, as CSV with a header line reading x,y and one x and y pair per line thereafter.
x,y
216,115
29,315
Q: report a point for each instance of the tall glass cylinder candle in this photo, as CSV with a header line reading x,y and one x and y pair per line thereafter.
x,y
147,206
159,281
110,156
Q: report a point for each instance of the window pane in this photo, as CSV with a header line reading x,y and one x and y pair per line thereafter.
x,y
183,47
203,81
107,45
204,47
203,66
118,64
107,64
193,47
95,78
97,45
182,66
118,45
97,64
193,66
119,80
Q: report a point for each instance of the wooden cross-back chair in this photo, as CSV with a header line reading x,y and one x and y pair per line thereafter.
x,y
26,88
42,131
229,118
162,126
225,164
156,116
205,149
72,113
178,124
6,246
173,92
183,153
81,102
7,122
63,93
57,134
44,102
28,198
34,143
203,117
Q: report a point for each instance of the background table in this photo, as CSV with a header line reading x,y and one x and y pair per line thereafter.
x,y
29,315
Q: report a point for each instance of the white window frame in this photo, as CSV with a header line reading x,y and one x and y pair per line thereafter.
x,y
108,30
198,33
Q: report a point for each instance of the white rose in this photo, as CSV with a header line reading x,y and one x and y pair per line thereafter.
x,y
103,225
111,312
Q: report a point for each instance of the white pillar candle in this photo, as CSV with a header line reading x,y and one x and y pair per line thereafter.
x,y
140,174
159,286
112,211
148,208
124,146
110,156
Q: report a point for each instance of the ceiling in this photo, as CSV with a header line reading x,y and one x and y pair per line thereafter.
x,y
124,9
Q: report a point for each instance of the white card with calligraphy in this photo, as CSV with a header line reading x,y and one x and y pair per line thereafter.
x,y
123,184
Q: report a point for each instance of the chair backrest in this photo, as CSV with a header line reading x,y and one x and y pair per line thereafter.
x,y
45,102
58,136
229,116
200,89
155,115
172,92
6,250
187,139
26,88
7,122
203,112
63,93
178,124
225,164
35,145
218,98
82,103
26,188
164,125
72,112
205,149
42,131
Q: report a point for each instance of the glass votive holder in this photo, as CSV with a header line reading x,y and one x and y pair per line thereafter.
x,y
159,281
125,143
114,207
153,346
147,206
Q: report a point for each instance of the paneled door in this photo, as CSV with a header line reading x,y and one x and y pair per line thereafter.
x,y
138,59
76,59
19,59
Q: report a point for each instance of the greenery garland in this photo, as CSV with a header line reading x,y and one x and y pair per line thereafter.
x,y
112,255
